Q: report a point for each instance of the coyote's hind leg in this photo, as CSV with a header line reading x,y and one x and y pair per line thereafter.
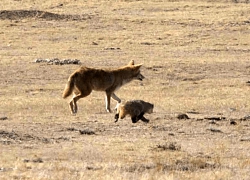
x,y
73,104
71,107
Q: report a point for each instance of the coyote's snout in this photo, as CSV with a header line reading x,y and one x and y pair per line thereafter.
x,y
85,79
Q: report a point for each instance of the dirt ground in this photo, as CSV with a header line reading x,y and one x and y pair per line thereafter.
x,y
195,57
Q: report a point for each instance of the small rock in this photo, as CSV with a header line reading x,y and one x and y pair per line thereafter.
x,y
215,118
193,112
212,122
173,146
147,43
112,48
246,117
87,132
71,129
232,109
3,118
232,122
36,160
56,61
182,116
215,130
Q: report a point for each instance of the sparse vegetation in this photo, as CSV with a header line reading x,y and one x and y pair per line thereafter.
x,y
195,57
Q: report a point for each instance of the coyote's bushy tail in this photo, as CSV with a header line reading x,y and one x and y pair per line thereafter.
x,y
69,86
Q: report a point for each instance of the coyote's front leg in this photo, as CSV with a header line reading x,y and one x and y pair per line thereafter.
x,y
108,96
117,99
107,99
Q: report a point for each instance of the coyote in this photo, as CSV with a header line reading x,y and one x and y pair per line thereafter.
x,y
135,108
86,79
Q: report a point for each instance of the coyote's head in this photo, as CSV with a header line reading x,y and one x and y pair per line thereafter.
x,y
136,70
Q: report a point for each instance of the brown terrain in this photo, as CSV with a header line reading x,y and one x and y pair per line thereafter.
x,y
196,60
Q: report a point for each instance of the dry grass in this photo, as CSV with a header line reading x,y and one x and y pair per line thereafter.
x,y
196,61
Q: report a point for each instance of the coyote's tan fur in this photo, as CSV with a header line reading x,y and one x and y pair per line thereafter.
x,y
86,79
135,108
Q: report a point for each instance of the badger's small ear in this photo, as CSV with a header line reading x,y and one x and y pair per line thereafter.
x,y
131,63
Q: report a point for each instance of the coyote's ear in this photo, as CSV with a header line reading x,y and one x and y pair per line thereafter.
x,y
138,66
131,63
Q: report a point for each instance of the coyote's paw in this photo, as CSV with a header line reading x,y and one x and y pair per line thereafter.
x,y
109,110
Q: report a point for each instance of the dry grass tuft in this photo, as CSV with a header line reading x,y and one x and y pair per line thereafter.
x,y
173,146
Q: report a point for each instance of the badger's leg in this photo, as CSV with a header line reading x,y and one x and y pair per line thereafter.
x,y
144,119
141,117
116,117
134,119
